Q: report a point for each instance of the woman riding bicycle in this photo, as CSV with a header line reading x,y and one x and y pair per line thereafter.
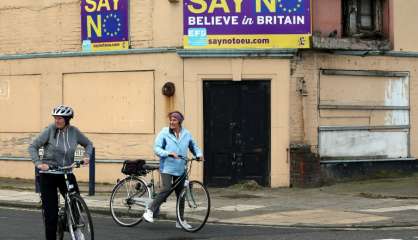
x,y
59,141
172,142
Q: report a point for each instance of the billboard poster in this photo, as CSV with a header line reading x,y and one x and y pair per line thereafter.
x,y
216,24
104,25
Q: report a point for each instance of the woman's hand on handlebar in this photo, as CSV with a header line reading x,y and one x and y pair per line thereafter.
x,y
86,160
43,167
173,155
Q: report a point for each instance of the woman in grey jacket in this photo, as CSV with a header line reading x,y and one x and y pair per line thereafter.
x,y
59,141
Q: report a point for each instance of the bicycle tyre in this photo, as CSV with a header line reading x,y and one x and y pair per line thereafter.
x,y
196,207
83,223
123,210
60,234
62,223
60,230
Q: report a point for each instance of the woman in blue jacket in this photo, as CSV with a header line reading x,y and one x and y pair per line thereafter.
x,y
171,143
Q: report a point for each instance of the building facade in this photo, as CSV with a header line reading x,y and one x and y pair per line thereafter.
x,y
279,116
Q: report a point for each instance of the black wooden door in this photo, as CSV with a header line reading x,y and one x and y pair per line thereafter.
x,y
237,132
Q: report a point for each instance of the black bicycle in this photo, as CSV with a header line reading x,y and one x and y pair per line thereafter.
x,y
74,217
131,196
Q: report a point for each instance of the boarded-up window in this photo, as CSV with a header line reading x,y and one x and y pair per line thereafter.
x,y
20,98
111,102
363,115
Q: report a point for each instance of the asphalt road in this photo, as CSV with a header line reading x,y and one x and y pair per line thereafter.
x,y
17,224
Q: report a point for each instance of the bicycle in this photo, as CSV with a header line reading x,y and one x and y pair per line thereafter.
x,y
74,217
132,195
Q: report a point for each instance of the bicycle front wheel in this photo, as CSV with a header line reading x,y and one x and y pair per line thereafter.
x,y
80,223
193,207
123,207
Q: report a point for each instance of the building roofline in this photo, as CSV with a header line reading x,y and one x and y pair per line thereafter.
x,y
237,53
83,54
211,53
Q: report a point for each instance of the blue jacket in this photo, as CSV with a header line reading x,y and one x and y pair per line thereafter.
x,y
166,142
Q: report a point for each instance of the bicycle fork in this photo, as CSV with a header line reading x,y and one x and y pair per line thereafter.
x,y
189,196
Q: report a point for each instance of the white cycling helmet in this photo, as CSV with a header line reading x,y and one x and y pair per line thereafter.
x,y
63,111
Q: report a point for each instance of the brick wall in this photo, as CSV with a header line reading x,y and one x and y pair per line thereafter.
x,y
28,26
304,99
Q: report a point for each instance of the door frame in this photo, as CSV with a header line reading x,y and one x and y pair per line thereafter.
x,y
197,70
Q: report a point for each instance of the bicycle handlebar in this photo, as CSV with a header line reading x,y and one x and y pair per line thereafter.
x,y
76,164
197,159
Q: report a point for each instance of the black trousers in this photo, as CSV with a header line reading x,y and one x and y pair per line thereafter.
x,y
49,184
168,182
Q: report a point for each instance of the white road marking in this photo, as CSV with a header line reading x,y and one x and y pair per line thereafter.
x,y
239,208
391,209
389,239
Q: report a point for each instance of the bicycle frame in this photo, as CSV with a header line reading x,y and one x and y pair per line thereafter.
x,y
137,190
146,201
70,188
67,201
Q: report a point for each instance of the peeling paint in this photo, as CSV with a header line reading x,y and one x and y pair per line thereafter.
x,y
397,117
4,89
397,94
388,144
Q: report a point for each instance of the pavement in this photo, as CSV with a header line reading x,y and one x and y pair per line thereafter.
x,y
381,203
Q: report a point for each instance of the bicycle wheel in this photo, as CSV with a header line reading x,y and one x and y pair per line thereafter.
x,y
123,208
80,224
196,204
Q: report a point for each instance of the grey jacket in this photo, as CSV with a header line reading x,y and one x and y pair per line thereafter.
x,y
59,146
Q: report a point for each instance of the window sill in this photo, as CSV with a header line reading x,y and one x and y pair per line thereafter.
x,y
349,44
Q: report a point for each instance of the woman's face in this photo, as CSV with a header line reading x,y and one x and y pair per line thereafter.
x,y
174,123
59,122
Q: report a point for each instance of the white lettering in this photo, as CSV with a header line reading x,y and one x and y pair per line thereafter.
x,y
300,20
260,20
235,20
199,20
191,21
213,20
288,20
269,20
281,20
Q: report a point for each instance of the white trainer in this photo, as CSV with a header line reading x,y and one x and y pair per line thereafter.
x,y
185,224
148,216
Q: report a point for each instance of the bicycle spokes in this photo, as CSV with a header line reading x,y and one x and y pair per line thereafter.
x,y
80,222
193,215
126,201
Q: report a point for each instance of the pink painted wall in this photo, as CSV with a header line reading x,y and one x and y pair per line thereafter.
x,y
326,17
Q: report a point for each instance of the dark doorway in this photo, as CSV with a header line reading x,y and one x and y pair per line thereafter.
x,y
237,132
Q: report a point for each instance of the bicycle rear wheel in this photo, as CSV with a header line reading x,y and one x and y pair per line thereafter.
x,y
196,204
123,208
80,223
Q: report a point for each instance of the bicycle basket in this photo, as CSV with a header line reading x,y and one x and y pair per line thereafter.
x,y
133,167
